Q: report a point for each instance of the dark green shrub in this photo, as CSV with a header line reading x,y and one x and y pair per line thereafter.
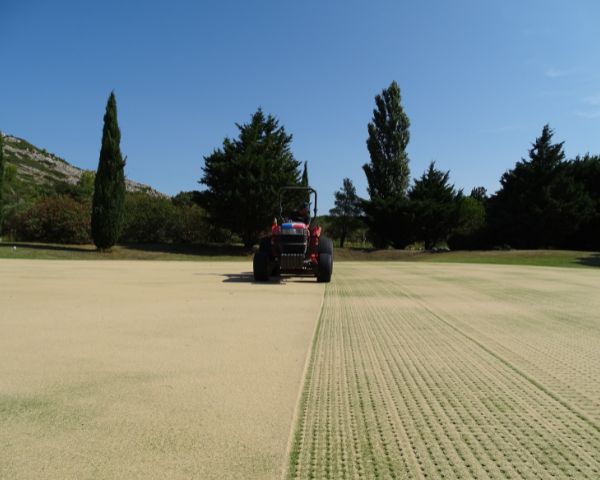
x,y
147,219
152,219
190,225
56,220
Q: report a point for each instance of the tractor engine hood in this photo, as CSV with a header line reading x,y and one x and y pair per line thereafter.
x,y
293,225
291,228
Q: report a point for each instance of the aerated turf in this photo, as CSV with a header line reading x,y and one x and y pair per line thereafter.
x,y
453,371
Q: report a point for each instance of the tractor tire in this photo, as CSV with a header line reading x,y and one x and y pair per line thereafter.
x,y
265,245
325,268
260,267
325,246
276,272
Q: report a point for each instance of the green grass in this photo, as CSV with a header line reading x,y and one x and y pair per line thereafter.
x,y
545,258
48,251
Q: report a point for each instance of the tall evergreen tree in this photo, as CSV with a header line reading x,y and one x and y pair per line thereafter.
x,y
436,206
304,181
538,204
479,193
388,173
243,178
1,181
346,214
109,184
585,171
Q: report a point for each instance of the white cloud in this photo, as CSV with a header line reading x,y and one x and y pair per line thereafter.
x,y
593,101
504,129
556,73
589,115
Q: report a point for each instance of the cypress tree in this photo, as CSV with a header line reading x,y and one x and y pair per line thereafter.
x,y
1,181
304,182
109,185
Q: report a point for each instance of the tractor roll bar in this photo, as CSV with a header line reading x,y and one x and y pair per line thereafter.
x,y
297,188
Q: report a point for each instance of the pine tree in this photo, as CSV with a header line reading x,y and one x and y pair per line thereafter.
x,y
109,185
436,206
1,181
585,172
538,204
479,194
346,214
243,178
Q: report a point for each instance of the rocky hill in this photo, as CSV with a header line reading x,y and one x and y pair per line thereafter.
x,y
37,166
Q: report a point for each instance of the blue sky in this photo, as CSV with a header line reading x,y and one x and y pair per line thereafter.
x,y
479,79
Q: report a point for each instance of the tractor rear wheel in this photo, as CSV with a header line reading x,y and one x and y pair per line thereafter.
x,y
265,245
325,268
325,250
325,246
260,267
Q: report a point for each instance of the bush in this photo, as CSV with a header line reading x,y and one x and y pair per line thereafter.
x,y
152,219
190,225
471,232
56,220
147,219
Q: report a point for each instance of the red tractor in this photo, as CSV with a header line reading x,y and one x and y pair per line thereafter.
x,y
295,245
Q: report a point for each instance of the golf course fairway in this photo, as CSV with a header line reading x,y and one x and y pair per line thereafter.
x,y
453,371
148,370
155,370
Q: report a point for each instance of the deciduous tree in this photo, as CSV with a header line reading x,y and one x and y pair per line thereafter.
x,y
388,172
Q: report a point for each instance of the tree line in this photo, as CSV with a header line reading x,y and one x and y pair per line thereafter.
x,y
544,201
98,208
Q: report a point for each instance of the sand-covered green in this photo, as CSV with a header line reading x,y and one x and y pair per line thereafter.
x,y
148,370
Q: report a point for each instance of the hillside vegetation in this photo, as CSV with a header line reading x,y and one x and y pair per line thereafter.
x,y
46,199
34,169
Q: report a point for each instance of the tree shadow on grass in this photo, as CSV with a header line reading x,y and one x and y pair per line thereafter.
x,y
48,247
205,250
248,277
590,260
